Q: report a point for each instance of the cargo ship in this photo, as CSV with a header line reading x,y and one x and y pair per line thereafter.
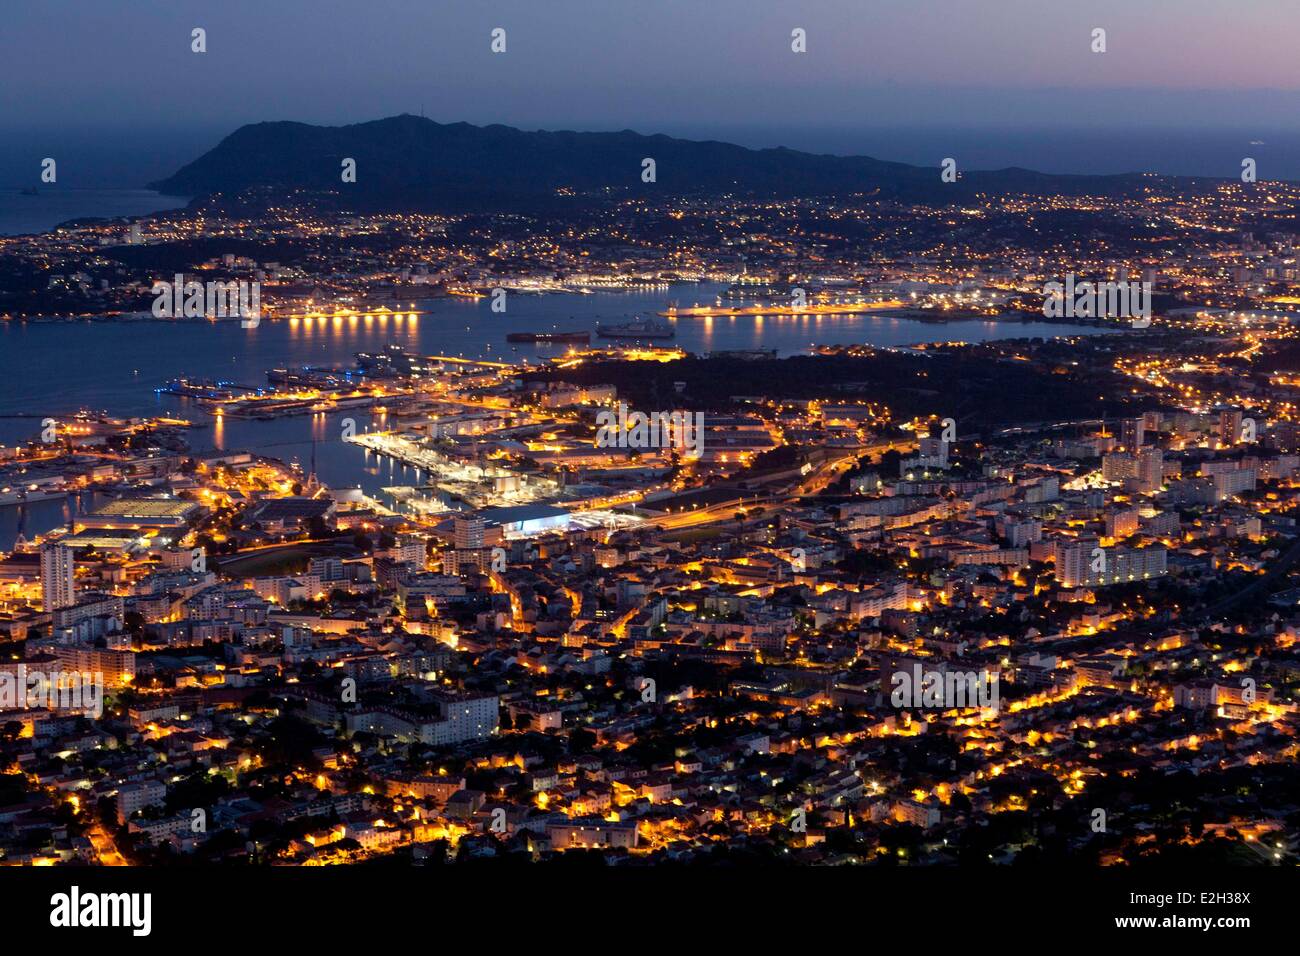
x,y
636,329
581,338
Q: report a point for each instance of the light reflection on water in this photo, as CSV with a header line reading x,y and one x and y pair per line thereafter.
x,y
56,368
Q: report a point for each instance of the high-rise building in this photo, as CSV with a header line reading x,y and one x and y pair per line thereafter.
x,y
57,587
1019,533
934,452
460,560
1048,489
1084,563
468,533
1229,426
1229,484
1118,466
1132,433
1121,524
1150,469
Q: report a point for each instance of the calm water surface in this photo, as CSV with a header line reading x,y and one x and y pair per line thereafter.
x,y
57,368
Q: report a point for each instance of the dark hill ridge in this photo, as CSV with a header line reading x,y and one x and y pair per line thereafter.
x,y
411,162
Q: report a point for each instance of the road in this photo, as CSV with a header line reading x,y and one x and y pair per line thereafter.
x,y
104,846
814,483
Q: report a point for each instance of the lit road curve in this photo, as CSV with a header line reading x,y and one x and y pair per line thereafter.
x,y
817,481
105,849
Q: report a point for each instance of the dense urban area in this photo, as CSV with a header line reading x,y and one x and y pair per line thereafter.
x,y
1025,600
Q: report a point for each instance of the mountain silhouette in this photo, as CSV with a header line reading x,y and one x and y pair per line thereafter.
x,y
409,162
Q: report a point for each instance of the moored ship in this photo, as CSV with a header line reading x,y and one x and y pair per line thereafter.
x,y
582,338
636,329
205,388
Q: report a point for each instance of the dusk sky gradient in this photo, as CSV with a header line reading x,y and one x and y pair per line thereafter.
x,y
700,68
600,63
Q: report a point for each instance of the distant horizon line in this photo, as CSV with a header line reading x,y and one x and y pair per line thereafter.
x,y
123,138
601,126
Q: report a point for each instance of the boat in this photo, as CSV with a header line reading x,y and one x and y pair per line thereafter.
x,y
205,388
29,191
309,376
636,329
750,291
393,362
747,355
581,337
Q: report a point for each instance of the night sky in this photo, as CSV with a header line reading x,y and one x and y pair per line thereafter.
x,y
620,62
699,68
